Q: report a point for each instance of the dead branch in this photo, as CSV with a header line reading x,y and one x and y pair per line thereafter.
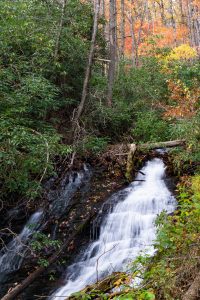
x,y
99,259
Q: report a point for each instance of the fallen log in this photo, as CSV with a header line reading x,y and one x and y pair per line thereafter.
x,y
148,146
168,144
12,293
152,146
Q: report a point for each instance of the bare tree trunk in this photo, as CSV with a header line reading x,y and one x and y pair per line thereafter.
x,y
154,9
132,28
181,12
88,69
136,39
140,30
60,29
196,19
162,12
149,17
190,22
113,50
102,13
173,22
122,30
154,17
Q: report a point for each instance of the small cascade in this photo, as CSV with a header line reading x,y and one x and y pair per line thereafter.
x,y
12,255
127,230
61,197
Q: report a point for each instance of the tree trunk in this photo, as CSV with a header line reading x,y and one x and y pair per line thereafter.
x,y
190,22
60,30
196,26
88,70
142,19
181,12
162,12
113,50
173,22
122,30
132,29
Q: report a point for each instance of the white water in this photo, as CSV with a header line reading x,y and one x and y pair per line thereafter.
x,y
126,231
12,255
62,196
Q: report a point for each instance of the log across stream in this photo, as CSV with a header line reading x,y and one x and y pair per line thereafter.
x,y
126,231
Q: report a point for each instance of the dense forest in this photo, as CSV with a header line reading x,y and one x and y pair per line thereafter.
x,y
89,90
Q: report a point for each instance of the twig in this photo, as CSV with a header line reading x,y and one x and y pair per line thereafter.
x,y
100,257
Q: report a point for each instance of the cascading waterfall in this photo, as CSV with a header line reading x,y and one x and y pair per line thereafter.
x,y
62,196
125,232
12,255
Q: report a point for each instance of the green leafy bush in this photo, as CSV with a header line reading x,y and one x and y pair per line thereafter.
x,y
149,127
26,157
95,144
188,129
143,86
35,85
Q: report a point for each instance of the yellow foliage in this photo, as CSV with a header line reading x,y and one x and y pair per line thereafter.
x,y
182,52
196,184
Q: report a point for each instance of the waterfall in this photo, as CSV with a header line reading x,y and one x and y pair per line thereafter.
x,y
126,231
60,198
12,255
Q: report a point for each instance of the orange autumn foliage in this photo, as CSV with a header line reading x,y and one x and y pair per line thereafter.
x,y
164,37
186,100
153,24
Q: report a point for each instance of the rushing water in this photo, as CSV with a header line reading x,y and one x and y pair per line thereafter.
x,y
128,229
61,197
12,255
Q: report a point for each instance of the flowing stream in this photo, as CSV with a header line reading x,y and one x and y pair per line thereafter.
x,y
126,231
60,198
12,255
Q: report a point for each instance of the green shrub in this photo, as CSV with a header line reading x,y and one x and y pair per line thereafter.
x,y
143,85
149,127
188,129
35,86
95,144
